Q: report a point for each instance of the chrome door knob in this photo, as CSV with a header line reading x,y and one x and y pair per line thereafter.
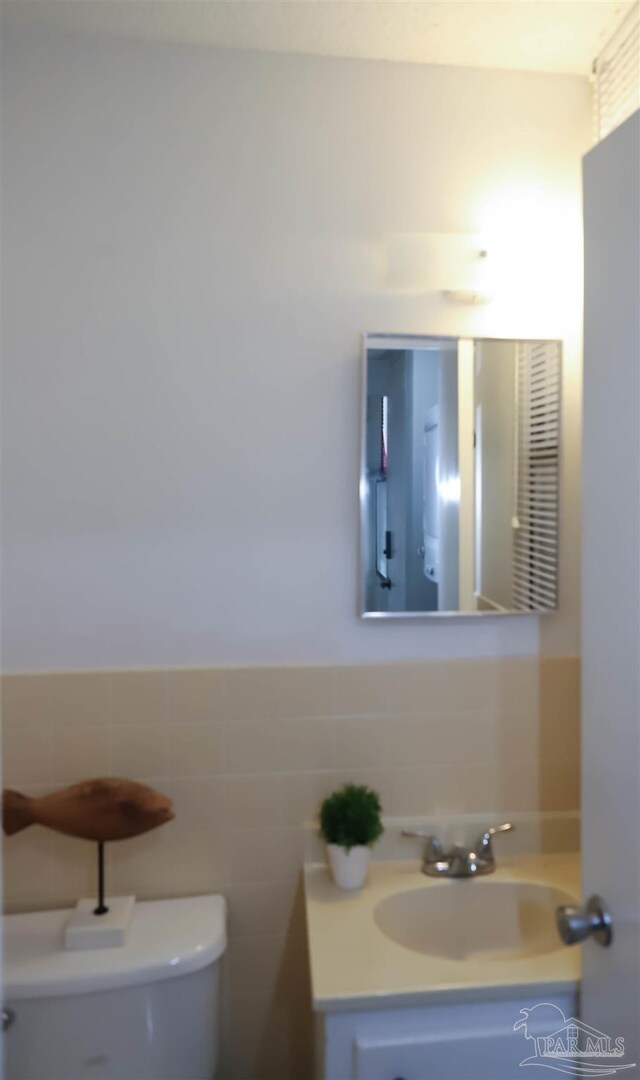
x,y
577,924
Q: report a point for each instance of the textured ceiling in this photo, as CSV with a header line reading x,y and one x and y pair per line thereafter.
x,y
535,35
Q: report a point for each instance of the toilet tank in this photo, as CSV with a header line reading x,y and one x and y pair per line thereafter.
x,y
147,1010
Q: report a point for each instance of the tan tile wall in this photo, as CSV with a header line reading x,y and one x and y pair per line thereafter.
x,y
246,755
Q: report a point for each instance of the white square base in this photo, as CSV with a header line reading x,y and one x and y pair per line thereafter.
x,y
88,931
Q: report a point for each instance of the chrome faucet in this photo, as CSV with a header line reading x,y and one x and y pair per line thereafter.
x,y
458,861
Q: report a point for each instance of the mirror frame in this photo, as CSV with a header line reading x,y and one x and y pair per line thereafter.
x,y
407,341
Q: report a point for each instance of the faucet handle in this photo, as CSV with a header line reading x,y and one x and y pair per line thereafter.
x,y
433,845
484,842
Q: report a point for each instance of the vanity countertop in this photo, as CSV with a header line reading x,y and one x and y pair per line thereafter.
x,y
355,965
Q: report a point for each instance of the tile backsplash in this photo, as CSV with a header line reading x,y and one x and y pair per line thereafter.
x,y
247,754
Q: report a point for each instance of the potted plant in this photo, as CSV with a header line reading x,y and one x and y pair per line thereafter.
x,y
349,824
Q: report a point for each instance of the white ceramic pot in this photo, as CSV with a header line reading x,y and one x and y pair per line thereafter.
x,y
349,868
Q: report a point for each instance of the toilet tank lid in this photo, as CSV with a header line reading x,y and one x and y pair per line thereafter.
x,y
167,938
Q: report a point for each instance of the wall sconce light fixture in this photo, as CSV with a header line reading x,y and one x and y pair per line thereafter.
x,y
455,264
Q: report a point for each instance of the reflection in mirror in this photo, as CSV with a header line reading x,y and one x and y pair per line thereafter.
x,y
460,475
383,536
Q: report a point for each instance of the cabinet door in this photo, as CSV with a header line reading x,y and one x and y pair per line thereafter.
x,y
492,1055
473,1040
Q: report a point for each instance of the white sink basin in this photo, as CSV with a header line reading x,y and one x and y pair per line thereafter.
x,y
479,918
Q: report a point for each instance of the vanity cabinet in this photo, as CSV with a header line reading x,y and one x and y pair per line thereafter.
x,y
472,1040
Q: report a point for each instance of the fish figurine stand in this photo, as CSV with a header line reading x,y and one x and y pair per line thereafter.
x,y
103,924
99,810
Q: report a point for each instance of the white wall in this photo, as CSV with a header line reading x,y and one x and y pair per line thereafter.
x,y
193,245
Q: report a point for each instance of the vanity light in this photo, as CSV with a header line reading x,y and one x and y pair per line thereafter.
x,y
454,264
466,296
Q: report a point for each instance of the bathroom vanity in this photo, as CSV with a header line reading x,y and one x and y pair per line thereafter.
x,y
415,978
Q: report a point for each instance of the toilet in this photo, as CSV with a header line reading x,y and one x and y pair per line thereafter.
x,y
146,1010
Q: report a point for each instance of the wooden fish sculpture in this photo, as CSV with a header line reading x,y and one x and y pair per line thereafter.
x,y
101,810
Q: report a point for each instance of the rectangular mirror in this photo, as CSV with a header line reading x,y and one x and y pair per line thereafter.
x,y
460,471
